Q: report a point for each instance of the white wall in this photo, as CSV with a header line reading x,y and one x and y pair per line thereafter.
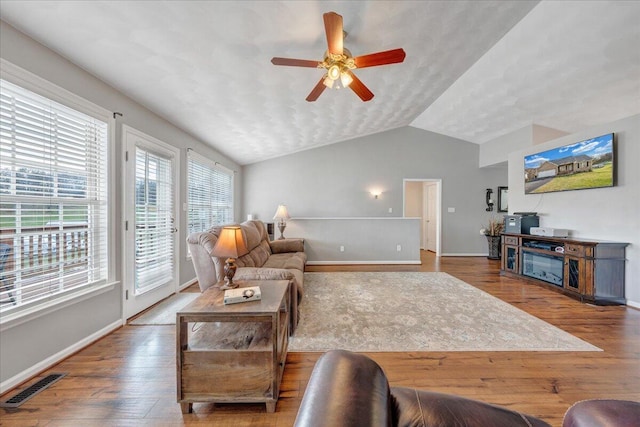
x,y
496,151
335,180
604,213
27,345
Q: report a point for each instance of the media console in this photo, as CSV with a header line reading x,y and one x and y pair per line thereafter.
x,y
590,270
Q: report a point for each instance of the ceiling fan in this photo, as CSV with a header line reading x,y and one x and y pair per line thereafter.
x,y
339,62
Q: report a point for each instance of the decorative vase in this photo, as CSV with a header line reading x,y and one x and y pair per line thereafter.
x,y
494,247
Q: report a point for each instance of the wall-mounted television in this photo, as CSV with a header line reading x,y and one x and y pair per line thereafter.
x,y
585,164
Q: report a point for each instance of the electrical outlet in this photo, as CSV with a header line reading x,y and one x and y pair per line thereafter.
x,y
390,210
451,210
341,248
398,248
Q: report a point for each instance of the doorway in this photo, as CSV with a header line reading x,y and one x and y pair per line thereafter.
x,y
150,242
422,199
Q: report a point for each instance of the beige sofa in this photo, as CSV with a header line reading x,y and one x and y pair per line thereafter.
x,y
267,260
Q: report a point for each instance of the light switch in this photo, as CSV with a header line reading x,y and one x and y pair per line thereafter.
x,y
451,210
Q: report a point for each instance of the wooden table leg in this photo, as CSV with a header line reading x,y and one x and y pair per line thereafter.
x,y
187,408
271,406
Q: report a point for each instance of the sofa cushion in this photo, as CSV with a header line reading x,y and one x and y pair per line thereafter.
x,y
257,257
254,233
295,261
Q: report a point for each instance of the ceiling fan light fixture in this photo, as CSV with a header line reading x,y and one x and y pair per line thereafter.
x,y
334,72
328,82
346,79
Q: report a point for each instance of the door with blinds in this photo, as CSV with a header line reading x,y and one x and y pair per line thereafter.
x,y
150,221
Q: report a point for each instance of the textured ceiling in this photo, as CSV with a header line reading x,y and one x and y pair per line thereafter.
x,y
205,65
566,66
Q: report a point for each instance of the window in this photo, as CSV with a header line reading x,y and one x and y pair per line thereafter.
x,y
53,200
210,193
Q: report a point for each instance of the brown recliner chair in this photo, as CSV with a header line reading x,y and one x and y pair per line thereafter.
x,y
349,389
603,413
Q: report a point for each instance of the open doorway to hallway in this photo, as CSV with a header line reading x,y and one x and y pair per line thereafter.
x,y
422,199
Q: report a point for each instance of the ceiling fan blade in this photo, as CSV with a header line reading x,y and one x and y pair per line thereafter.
x,y
294,62
359,88
380,58
317,91
333,28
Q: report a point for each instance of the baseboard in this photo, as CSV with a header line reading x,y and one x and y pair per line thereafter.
x,y
187,284
485,255
59,356
633,304
363,262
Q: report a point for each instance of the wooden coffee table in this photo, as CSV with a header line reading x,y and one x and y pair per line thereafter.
x,y
236,352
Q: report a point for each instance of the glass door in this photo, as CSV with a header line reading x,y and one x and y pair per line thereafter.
x,y
151,223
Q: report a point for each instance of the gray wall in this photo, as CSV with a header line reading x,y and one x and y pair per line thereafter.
x,y
335,180
603,213
58,331
358,240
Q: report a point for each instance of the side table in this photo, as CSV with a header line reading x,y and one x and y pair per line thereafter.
x,y
236,352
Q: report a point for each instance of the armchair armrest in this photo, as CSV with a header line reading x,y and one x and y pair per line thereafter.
x,y
286,245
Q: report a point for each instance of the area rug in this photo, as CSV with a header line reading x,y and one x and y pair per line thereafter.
x,y
164,313
406,311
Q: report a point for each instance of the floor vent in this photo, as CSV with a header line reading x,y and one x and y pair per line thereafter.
x,y
31,391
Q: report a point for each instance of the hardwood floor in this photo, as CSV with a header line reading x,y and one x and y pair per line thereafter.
x,y
128,377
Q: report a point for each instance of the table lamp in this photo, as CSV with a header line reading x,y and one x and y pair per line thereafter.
x,y
282,215
230,244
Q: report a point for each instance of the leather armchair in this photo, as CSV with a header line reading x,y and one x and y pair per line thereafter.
x,y
603,413
349,389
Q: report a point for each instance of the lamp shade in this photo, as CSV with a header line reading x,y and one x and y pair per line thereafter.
x,y
282,213
230,244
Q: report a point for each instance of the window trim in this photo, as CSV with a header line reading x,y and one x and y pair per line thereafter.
x,y
27,80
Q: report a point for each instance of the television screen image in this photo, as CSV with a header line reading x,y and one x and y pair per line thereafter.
x,y
584,164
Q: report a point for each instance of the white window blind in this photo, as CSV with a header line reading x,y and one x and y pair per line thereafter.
x,y
154,222
53,199
210,194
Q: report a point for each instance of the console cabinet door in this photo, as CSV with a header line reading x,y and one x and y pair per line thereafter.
x,y
511,259
574,274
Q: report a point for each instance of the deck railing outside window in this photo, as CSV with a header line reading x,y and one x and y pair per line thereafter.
x,y
39,261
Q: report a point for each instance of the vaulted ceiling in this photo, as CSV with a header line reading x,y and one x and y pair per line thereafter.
x,y
474,70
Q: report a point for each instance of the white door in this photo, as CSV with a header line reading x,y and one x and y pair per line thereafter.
x,y
431,221
150,221
422,200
